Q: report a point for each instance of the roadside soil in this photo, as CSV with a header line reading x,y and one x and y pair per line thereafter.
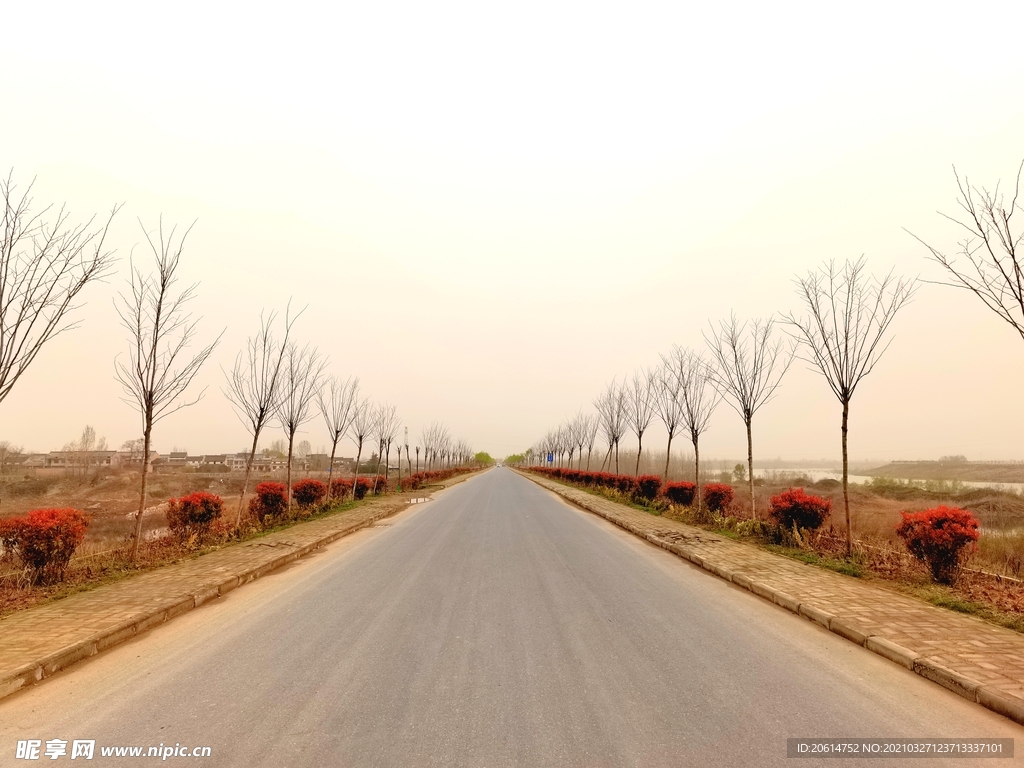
x,y
111,500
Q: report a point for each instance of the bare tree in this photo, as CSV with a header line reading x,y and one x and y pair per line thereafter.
x,y
590,431
360,429
578,431
9,453
747,372
566,441
254,384
160,368
640,408
849,314
133,449
390,424
385,426
44,265
336,401
668,404
301,379
992,266
436,441
427,437
692,379
611,409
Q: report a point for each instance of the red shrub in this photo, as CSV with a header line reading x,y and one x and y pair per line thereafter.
x,y
940,537
271,500
379,485
340,488
308,492
717,496
647,487
681,493
795,507
363,486
193,514
44,540
625,484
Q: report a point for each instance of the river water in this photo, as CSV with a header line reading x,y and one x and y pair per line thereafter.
x,y
837,474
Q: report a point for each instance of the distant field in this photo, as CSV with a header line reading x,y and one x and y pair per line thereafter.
x,y
970,471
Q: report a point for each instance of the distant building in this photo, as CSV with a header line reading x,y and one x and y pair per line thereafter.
x,y
68,459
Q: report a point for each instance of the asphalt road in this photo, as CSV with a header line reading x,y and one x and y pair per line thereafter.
x,y
493,626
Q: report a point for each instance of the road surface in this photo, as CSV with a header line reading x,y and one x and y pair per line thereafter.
x,y
493,626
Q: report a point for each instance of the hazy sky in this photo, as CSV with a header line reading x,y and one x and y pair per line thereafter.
x,y
491,210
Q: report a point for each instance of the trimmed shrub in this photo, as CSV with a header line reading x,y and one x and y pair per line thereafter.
x,y
340,488
44,540
363,486
625,484
271,500
681,493
717,496
308,492
940,538
378,485
413,482
193,515
647,487
795,507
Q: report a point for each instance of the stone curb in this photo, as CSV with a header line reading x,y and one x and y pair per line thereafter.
x,y
991,698
175,606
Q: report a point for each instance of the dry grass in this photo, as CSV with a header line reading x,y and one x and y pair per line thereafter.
x,y
111,499
981,588
91,569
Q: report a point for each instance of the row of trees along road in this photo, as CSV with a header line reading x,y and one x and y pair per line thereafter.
x,y
842,335
45,263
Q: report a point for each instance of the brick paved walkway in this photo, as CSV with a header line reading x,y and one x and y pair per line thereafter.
x,y
976,659
38,641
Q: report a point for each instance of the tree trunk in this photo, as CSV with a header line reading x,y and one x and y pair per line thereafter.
x,y
142,494
245,482
750,470
639,450
616,457
589,451
355,475
330,468
376,467
846,480
696,473
668,455
291,439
